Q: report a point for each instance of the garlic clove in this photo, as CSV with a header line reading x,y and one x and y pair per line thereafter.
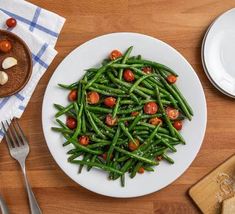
x,y
9,62
3,78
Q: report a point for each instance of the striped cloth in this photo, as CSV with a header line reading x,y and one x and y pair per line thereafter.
x,y
40,29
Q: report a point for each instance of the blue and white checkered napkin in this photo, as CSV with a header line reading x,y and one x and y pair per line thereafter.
x,y
40,29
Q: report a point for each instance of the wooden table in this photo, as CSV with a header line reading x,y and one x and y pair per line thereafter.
x,y
181,24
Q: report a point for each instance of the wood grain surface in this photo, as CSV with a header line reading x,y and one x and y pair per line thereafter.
x,y
180,23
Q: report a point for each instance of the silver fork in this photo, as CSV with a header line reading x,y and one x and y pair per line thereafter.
x,y
19,150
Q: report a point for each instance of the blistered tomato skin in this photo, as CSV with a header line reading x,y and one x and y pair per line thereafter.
x,y
172,113
110,102
11,22
93,97
110,121
128,75
115,54
84,140
72,96
150,108
71,123
178,125
133,145
5,46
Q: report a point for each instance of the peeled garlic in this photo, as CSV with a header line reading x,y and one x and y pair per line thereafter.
x,y
9,62
3,78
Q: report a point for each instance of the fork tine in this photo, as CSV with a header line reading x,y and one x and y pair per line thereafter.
x,y
20,131
20,141
14,143
7,137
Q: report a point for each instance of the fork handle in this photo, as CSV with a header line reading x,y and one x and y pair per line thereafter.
x,y
3,206
34,207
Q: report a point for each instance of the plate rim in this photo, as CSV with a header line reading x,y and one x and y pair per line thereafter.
x,y
203,98
203,58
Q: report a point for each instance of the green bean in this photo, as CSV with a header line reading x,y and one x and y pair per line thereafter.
x,y
126,66
136,168
153,133
85,158
98,109
67,131
101,124
190,110
92,161
136,120
127,133
180,137
172,148
167,158
69,113
151,63
64,110
62,124
135,156
84,128
98,165
125,57
138,82
128,111
75,155
127,85
115,110
69,87
79,121
96,145
109,89
83,148
91,121
100,72
167,120
180,102
111,148
98,140
161,129
168,137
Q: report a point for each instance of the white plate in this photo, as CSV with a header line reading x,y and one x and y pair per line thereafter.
x,y
219,51
90,54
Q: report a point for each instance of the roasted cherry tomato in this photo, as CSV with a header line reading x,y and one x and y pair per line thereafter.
x,y
72,95
141,170
134,113
178,125
150,108
159,157
11,22
128,75
104,156
5,46
71,122
171,79
83,140
147,70
110,121
115,54
172,113
155,121
93,97
110,101
133,145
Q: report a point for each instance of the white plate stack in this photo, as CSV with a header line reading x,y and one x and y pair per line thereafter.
x,y
218,53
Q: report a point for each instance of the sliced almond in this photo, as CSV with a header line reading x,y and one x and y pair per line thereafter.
x,y
3,78
9,62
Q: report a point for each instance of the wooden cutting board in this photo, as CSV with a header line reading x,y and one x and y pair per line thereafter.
x,y
217,186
